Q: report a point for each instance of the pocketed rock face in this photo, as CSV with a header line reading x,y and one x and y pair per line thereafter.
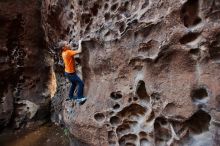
x,y
151,70
25,74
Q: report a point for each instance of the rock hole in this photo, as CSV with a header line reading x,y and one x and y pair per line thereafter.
x,y
111,113
115,120
135,98
194,51
129,144
161,121
161,134
155,96
128,139
189,37
130,100
141,90
80,2
132,111
106,6
145,4
68,29
133,23
189,13
214,49
107,125
114,7
199,122
1,100
86,18
99,117
124,8
107,34
71,15
197,21
142,134
122,129
70,32
116,106
116,95
122,27
107,16
126,127
126,4
214,52
95,9
199,95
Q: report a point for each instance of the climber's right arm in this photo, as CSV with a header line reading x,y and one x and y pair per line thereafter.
x,y
80,47
79,50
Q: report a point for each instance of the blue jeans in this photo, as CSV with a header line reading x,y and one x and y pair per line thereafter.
x,y
75,80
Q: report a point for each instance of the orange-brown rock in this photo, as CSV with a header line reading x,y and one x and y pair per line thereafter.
x,y
151,70
25,72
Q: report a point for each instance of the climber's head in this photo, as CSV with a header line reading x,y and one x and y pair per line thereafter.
x,y
64,45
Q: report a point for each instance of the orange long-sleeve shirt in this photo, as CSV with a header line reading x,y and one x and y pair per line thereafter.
x,y
69,62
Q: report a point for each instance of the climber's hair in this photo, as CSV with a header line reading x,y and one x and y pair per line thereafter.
x,y
61,45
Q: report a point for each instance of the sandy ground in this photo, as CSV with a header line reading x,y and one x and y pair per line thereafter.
x,y
46,135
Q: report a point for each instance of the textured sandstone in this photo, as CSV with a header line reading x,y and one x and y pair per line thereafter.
x,y
151,70
25,75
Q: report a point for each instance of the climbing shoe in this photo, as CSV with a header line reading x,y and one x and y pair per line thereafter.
x,y
81,100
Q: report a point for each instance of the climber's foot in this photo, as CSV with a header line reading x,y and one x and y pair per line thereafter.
x,y
81,101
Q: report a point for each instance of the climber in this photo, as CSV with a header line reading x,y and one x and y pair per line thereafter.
x,y
70,71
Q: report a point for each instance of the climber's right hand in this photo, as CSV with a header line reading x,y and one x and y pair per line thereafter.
x,y
80,41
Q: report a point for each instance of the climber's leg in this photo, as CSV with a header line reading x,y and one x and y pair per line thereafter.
x,y
73,85
80,86
80,98
75,80
72,89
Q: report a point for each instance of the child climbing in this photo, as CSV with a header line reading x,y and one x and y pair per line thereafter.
x,y
70,71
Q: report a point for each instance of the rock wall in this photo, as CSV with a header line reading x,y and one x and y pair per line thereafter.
x,y
151,70
26,75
